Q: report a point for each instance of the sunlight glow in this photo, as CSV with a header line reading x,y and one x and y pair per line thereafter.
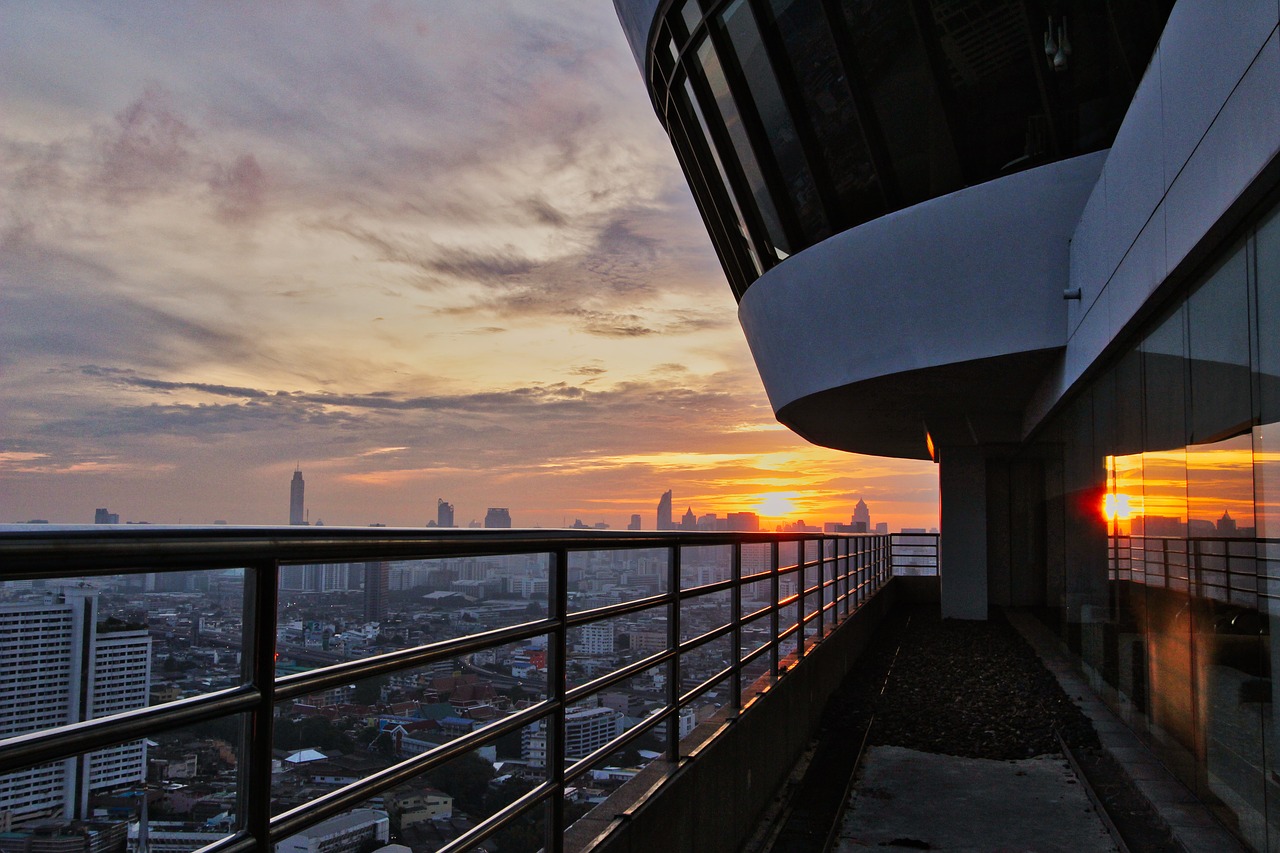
x,y
776,505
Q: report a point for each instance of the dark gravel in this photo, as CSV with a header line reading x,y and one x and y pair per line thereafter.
x,y
971,689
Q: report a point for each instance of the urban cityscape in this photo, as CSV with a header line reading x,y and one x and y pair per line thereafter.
x,y
144,638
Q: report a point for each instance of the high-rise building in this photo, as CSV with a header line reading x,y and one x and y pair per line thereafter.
x,y
497,517
59,665
1051,236
444,513
297,508
635,522
102,516
688,521
665,520
376,577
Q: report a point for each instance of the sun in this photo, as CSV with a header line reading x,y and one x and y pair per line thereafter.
x,y
775,505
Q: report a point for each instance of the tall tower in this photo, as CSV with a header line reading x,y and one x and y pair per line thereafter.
x,y
444,513
297,514
664,512
60,666
861,517
375,591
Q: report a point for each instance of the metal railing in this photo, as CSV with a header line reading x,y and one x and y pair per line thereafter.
x,y
814,582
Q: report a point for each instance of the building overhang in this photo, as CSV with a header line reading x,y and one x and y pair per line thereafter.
x,y
950,312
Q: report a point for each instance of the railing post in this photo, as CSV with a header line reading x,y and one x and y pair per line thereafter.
x,y
735,636
673,643
822,587
774,661
558,673
802,596
258,668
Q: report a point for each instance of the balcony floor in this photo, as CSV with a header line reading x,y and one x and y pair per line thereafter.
x,y
960,725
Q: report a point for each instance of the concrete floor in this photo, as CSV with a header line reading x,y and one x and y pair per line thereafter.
x,y
909,800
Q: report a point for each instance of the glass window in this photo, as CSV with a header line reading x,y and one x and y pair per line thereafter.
x,y
904,96
813,61
732,121
743,234
780,130
1218,313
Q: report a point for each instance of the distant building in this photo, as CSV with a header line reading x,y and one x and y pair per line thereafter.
x,y
102,516
665,521
635,522
497,517
444,513
740,521
689,521
882,528
585,731
297,512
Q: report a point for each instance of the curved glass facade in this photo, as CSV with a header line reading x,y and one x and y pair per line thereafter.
x,y
1169,491
797,119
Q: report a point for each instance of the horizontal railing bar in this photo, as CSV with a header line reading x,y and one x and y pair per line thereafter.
x,y
704,686
609,611
753,654
582,691
240,842
706,589
334,675
46,745
705,637
55,550
504,816
348,796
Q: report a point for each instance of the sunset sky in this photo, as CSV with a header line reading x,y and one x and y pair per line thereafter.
x,y
419,249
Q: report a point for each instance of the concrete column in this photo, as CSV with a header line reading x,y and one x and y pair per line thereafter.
x,y
962,483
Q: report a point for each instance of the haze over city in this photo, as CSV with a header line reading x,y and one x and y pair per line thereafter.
x,y
419,250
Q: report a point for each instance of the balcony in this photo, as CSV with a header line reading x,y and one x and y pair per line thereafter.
x,y
730,638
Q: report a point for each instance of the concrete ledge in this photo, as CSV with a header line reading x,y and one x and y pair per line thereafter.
x,y
730,767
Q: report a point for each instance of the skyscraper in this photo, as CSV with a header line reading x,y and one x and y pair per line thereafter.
x,y
635,522
102,515
59,666
497,517
665,521
444,513
375,591
297,511
861,517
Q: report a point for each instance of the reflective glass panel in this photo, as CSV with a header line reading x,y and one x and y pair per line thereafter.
x,y
1218,330
732,122
783,139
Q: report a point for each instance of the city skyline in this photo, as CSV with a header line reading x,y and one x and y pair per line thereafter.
x,y
224,261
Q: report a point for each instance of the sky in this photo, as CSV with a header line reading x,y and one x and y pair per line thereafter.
x,y
420,250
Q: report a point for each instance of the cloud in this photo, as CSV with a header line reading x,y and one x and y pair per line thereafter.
x,y
239,189
147,146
